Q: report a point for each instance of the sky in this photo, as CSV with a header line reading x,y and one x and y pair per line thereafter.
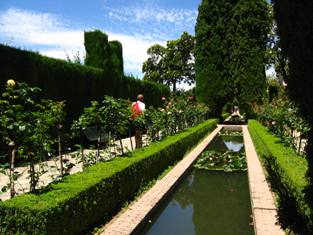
x,y
56,27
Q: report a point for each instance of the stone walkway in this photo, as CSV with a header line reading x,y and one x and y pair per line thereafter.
x,y
130,220
262,201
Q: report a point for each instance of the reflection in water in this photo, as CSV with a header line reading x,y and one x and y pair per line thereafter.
x,y
225,143
233,145
206,202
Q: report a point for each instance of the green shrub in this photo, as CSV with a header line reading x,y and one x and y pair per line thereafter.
x,y
83,199
286,172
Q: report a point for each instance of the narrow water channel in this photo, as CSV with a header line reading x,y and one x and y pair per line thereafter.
x,y
207,201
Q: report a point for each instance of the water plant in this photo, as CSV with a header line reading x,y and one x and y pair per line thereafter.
x,y
228,161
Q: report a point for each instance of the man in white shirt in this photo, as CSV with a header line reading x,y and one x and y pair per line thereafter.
x,y
137,109
140,103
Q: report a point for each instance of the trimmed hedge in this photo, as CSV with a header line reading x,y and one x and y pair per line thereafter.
x,y
286,172
83,199
101,53
76,84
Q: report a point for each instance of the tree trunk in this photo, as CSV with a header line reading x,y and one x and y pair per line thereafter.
x,y
60,155
32,175
174,86
82,149
98,148
12,158
130,138
121,143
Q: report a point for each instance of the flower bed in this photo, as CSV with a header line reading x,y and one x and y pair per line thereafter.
x,y
83,199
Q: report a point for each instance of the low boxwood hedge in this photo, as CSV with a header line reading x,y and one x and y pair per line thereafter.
x,y
84,199
286,173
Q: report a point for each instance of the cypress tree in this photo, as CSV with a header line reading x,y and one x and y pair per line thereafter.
x,y
295,28
211,54
97,49
248,36
116,57
103,54
231,38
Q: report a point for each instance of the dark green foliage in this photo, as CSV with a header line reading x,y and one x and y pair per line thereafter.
x,y
116,57
295,28
83,199
230,50
76,84
97,49
211,54
172,64
101,53
228,161
286,172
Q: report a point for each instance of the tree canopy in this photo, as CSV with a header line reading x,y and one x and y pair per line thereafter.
x,y
231,38
295,27
172,64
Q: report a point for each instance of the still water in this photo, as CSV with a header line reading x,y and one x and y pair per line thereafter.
x,y
206,202
226,143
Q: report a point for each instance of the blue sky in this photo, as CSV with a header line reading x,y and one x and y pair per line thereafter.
x,y
55,27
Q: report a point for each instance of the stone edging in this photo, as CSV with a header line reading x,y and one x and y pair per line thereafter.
x,y
129,221
262,202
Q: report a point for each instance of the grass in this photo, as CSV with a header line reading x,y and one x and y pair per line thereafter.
x,y
268,145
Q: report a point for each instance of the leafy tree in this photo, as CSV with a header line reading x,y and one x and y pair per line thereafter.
x,y
295,28
231,39
116,113
172,64
153,67
275,56
92,116
77,58
248,37
110,116
212,54
29,122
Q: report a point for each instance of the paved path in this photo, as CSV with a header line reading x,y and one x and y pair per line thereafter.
x,y
262,201
131,219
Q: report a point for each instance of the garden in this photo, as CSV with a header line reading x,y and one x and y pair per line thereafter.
x,y
75,152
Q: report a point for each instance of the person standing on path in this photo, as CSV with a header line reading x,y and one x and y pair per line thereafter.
x,y
137,110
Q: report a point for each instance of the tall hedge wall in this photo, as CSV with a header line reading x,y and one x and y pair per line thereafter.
x,y
76,84
83,199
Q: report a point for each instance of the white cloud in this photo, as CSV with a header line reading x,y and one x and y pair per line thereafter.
x,y
149,19
38,28
134,49
49,35
146,13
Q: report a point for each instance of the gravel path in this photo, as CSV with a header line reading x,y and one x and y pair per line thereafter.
x,y
51,168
